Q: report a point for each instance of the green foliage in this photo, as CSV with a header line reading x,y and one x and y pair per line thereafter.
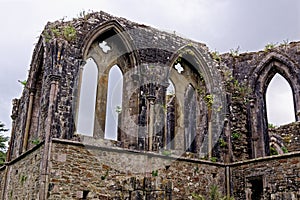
x,y
213,159
3,141
85,14
104,176
235,135
166,152
23,178
216,56
271,125
23,82
190,52
235,52
56,32
155,173
118,109
273,151
285,42
179,59
35,141
209,99
222,143
284,149
47,36
269,46
10,194
69,33
214,193
197,196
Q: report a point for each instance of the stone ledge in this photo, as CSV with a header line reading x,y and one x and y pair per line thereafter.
x,y
130,151
268,158
23,155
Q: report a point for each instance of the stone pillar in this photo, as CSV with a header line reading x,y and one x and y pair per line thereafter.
x,y
28,120
151,98
53,80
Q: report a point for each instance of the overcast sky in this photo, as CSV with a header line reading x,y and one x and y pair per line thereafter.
x,y
221,24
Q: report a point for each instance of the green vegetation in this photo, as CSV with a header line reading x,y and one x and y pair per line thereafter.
x,y
3,141
235,135
271,125
209,99
23,178
166,152
213,159
235,52
118,109
284,149
269,46
23,82
222,143
155,173
69,33
273,151
104,176
214,194
197,196
56,32
216,56
35,141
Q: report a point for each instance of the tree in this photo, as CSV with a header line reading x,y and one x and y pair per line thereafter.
x,y
3,141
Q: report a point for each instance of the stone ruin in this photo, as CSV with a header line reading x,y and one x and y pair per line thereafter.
x,y
189,121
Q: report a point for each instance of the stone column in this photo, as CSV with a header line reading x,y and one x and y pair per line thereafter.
x,y
151,98
28,120
53,80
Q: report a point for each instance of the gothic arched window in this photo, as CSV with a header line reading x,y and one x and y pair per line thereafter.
x,y
114,102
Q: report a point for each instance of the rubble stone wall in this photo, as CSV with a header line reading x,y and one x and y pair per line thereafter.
x,y
23,178
280,177
116,173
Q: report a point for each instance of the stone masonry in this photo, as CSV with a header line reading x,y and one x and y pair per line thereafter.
x,y
209,134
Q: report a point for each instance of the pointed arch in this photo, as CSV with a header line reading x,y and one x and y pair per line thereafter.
x,y
190,119
170,116
196,60
111,29
198,70
87,99
279,91
34,85
110,45
273,63
114,102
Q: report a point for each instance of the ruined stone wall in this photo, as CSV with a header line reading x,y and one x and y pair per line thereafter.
x,y
279,176
2,178
112,172
289,134
246,78
23,178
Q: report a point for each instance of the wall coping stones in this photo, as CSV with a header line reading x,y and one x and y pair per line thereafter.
x,y
268,158
192,160
26,153
131,151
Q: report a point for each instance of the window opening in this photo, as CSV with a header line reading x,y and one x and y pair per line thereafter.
x,y
190,119
87,99
104,46
171,115
279,102
179,68
113,102
255,188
